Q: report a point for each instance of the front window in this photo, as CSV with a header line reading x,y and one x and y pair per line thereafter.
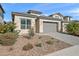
x,y
25,23
28,24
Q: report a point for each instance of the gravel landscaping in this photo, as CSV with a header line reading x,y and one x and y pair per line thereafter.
x,y
36,46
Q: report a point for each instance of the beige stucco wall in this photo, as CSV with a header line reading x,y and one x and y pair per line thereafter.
x,y
64,27
1,11
18,25
41,24
1,20
25,31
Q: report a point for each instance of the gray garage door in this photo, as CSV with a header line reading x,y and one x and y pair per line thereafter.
x,y
49,27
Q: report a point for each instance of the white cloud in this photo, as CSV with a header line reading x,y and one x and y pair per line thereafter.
x,y
74,12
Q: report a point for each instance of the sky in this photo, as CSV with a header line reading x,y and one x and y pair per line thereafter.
x,y
66,9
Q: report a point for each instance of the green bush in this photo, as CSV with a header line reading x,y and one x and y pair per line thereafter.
x,y
50,42
8,38
39,45
9,27
27,47
73,28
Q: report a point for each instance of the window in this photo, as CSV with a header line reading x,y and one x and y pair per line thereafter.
x,y
25,23
28,24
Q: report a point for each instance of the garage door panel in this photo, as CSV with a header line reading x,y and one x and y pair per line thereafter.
x,y
49,27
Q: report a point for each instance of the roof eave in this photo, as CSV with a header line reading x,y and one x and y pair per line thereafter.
x,y
2,9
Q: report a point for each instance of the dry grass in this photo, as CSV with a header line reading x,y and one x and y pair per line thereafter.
x,y
17,48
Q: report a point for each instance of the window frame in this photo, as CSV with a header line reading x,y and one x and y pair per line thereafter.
x,y
27,23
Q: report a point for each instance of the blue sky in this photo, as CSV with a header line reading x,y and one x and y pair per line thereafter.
x,y
67,9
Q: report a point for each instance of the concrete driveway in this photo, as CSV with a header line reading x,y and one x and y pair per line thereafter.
x,y
71,51
73,40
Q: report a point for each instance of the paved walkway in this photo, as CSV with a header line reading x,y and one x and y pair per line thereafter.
x,y
71,51
66,38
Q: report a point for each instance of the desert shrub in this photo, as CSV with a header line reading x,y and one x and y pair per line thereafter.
x,y
40,37
31,33
52,38
9,27
11,49
2,28
49,42
39,45
27,47
16,31
73,28
8,38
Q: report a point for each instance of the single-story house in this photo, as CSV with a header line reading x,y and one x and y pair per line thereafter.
x,y
1,14
40,23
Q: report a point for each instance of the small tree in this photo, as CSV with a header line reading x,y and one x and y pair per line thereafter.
x,y
72,28
31,32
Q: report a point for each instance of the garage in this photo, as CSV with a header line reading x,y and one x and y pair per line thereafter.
x,y
49,27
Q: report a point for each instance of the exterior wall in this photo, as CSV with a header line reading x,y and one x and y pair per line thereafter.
x,y
67,19
37,25
64,27
1,11
33,24
41,24
18,25
1,20
59,17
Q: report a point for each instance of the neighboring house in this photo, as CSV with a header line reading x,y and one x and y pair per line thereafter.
x,y
41,24
1,14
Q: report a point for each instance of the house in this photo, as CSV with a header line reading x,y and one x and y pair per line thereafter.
x,y
1,14
40,23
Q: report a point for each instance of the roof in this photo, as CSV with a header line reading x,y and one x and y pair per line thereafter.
x,y
48,18
2,8
68,16
56,14
23,14
34,11
33,16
